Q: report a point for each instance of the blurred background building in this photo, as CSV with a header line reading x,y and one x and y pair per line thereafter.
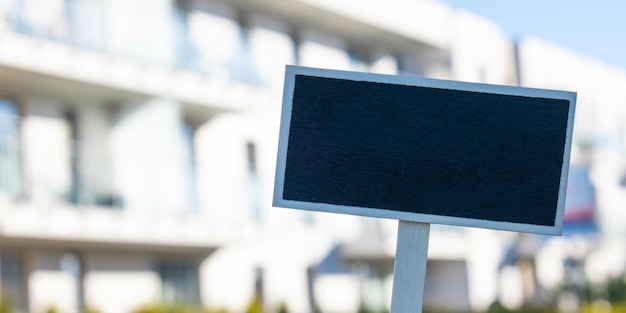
x,y
138,143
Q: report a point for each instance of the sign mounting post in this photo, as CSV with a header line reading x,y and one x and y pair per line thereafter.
x,y
409,270
423,151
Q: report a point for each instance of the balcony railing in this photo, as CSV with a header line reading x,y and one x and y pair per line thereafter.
x,y
161,38
79,174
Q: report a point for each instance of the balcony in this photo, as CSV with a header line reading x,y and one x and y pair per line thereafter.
x,y
82,51
71,198
166,39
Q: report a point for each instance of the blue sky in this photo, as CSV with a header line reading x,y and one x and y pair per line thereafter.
x,y
593,28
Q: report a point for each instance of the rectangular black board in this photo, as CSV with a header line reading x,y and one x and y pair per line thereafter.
x,y
424,150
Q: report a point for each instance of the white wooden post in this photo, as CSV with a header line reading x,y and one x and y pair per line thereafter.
x,y
409,270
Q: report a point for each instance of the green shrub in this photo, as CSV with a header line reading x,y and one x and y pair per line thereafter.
x,y
88,309
616,289
255,305
367,309
498,308
167,308
218,310
5,305
52,309
282,308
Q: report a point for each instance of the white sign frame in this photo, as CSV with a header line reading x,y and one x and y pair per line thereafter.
x,y
289,86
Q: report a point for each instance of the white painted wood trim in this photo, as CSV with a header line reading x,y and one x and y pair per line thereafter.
x,y
558,222
409,272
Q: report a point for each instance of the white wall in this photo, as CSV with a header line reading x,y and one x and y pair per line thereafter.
x,y
152,158
48,286
480,50
338,293
600,118
222,171
446,285
215,36
484,253
149,38
318,49
120,282
271,48
113,283
227,277
94,153
47,151
421,21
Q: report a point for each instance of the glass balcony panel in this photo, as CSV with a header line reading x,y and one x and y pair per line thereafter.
x,y
10,163
156,35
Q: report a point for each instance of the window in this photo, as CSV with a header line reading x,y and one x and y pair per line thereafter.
x,y
86,21
251,157
258,284
71,264
191,180
74,194
10,162
11,279
359,59
89,157
253,188
179,282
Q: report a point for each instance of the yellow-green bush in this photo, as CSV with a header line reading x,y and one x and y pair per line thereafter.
x,y
5,305
167,308
255,305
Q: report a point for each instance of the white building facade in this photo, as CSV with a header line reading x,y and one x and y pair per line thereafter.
x,y
138,143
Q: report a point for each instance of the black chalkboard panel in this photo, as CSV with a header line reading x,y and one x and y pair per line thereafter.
x,y
455,153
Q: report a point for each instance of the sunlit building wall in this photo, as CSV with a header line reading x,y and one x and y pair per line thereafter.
x,y
597,151
138,144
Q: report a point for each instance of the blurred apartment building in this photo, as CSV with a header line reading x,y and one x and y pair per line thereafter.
x,y
138,142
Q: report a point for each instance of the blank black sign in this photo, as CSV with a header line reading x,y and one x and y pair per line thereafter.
x,y
462,154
